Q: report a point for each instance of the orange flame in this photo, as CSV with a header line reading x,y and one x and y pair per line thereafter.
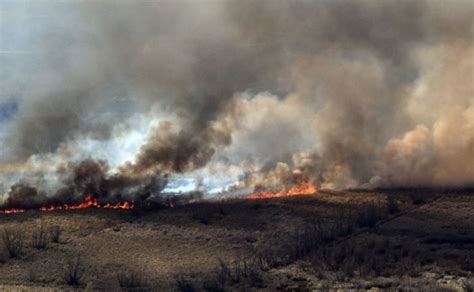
x,y
12,211
303,188
169,203
88,202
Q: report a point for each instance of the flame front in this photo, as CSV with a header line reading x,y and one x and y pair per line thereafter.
x,y
12,211
303,188
88,202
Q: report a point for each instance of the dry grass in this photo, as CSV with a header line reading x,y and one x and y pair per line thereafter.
x,y
39,238
55,232
206,212
74,271
369,216
13,240
245,272
183,284
328,240
132,281
372,257
308,241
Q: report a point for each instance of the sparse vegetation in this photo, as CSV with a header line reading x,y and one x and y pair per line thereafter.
x,y
307,241
291,244
13,240
73,271
368,217
206,212
131,280
3,256
183,284
55,232
372,257
39,237
248,269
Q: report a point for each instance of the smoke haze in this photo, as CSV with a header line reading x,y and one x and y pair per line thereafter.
x,y
125,98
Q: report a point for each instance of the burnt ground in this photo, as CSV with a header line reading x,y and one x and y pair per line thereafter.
x,y
408,240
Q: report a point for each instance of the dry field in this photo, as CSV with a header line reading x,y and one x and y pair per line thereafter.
x,y
403,240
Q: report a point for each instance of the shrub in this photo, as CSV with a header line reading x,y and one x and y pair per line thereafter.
x,y
39,238
245,270
131,280
249,270
73,271
55,233
224,273
13,241
372,256
184,285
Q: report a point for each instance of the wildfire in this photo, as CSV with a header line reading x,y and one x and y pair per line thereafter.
x,y
169,203
88,202
12,211
303,188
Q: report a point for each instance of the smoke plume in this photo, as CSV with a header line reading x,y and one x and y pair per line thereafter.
x,y
121,98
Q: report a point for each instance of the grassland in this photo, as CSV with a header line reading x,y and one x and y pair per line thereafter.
x,y
387,240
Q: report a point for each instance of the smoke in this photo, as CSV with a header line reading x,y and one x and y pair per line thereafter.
x,y
345,94
372,69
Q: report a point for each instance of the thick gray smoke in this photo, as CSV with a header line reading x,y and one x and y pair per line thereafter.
x,y
347,94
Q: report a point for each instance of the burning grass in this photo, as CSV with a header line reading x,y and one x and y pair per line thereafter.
x,y
88,202
303,188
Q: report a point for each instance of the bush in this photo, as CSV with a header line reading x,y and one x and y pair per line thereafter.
x,y
73,271
131,280
337,258
13,241
55,233
249,270
39,238
184,285
246,271
224,273
372,256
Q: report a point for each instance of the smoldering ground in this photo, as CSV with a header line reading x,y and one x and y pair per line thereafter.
x,y
352,94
